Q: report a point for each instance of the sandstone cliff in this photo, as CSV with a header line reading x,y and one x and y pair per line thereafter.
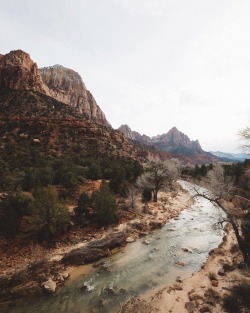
x,y
19,72
133,135
66,85
174,139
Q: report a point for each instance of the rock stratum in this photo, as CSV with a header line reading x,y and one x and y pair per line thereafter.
x,y
174,142
19,72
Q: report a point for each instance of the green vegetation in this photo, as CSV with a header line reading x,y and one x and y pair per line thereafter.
x,y
104,205
13,207
83,205
50,214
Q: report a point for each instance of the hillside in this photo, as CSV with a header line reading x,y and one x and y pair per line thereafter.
x,y
33,120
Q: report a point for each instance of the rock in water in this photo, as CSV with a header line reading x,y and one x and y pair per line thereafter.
x,y
49,286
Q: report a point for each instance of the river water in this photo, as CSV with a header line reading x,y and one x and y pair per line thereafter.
x,y
138,267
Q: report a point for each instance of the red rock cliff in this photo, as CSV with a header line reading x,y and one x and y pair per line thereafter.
x,y
19,72
66,85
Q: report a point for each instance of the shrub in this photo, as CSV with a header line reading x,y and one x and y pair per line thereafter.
x,y
212,276
238,299
104,205
84,202
51,215
13,208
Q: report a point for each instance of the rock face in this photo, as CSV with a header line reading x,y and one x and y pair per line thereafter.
x,y
19,72
133,135
171,141
177,142
174,142
66,85
95,250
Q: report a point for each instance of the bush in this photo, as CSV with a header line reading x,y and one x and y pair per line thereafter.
x,y
51,215
13,208
212,276
104,205
238,299
84,202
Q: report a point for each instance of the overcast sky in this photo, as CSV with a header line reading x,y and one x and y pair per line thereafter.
x,y
151,64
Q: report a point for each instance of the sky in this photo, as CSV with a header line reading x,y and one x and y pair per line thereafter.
x,y
151,64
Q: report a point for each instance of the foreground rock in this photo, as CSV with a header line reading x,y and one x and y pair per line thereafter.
x,y
49,286
95,250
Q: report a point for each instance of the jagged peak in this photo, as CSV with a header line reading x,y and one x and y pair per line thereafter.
x,y
56,66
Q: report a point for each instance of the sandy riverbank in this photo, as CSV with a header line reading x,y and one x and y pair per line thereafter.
x,y
197,293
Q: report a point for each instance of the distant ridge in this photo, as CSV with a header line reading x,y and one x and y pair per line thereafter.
x,y
174,142
231,157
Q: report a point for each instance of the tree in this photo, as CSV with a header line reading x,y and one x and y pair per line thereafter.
x,y
245,136
132,195
159,175
84,202
13,207
104,204
51,215
220,186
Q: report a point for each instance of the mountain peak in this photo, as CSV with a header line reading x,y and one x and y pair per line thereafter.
x,y
19,72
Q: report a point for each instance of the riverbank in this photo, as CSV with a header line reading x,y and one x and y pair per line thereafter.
x,y
204,290
23,274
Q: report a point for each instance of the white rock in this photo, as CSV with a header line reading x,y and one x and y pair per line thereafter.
x,y
130,239
50,286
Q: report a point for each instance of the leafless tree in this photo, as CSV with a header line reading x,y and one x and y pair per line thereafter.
x,y
245,136
159,175
132,195
219,187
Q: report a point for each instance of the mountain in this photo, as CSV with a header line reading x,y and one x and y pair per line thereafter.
x,y
19,72
66,85
174,142
177,142
230,157
133,135
50,112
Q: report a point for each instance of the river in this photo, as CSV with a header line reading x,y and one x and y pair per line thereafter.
x,y
137,267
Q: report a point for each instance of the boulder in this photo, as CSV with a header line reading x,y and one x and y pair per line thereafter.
x,y
214,283
95,250
221,272
190,306
49,286
130,239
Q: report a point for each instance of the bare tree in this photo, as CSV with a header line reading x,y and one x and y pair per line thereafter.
x,y
132,195
245,136
159,175
219,187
